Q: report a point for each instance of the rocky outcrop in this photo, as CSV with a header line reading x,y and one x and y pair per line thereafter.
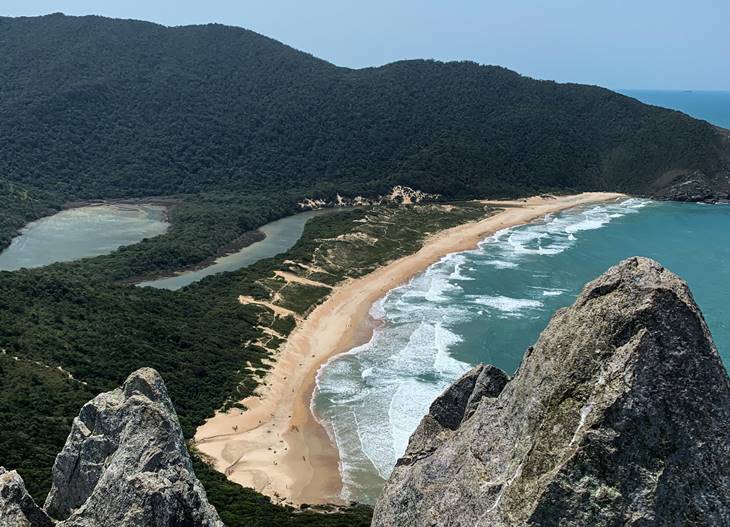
x,y
711,185
399,194
17,508
694,186
452,408
124,464
619,415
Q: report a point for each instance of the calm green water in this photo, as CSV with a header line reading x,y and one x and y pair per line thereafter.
x,y
712,106
281,235
82,232
490,304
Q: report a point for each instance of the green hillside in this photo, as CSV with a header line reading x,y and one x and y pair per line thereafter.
x,y
102,108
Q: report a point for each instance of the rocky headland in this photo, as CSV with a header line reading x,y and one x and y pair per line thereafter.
x,y
618,415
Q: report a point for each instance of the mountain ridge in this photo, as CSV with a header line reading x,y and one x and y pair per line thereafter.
x,y
139,97
242,127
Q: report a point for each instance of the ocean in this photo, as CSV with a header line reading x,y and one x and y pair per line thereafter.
x,y
712,106
489,304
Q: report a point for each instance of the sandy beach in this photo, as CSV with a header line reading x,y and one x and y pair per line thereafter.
x,y
277,446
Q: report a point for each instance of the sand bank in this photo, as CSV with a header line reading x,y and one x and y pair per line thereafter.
x,y
277,446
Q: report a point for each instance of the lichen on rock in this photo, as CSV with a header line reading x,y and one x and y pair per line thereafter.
x,y
619,415
17,508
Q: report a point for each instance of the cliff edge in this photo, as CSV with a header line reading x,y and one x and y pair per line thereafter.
x,y
619,415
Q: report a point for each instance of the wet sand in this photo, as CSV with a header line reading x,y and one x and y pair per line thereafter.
x,y
277,446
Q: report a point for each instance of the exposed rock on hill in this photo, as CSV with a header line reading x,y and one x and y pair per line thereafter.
x,y
399,194
695,186
619,415
124,464
451,408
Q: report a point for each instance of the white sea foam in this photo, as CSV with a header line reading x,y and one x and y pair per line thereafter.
x,y
374,396
443,362
553,292
432,285
377,310
458,260
500,264
505,304
554,235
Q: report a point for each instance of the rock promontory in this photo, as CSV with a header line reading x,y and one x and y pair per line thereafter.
x,y
17,508
618,415
124,464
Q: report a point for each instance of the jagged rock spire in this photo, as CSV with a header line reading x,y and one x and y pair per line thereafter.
x,y
17,508
619,415
124,464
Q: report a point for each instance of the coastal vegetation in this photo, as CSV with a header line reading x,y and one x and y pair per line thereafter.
x,y
210,347
239,127
18,206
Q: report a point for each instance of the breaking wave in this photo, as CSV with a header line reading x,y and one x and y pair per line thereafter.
x,y
372,398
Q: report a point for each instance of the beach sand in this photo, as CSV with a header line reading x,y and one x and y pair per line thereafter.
x,y
277,446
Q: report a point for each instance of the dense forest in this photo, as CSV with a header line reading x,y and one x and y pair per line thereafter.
x,y
101,108
234,129
199,339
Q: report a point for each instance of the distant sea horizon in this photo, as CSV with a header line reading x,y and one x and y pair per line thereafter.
x,y
709,105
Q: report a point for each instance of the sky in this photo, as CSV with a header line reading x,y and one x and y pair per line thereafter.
x,y
650,44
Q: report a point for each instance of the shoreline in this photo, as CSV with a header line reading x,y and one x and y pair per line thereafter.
x,y
244,240
277,446
168,204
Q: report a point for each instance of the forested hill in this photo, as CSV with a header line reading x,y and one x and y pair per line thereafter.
x,y
94,107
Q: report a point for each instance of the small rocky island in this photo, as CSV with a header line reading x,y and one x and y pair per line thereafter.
x,y
619,415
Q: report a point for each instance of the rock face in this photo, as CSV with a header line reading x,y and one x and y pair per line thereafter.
x,y
694,186
451,408
124,464
619,415
399,194
17,508
698,185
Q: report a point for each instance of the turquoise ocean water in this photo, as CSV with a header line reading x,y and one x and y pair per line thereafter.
x,y
491,303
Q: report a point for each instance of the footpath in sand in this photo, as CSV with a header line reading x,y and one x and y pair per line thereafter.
x,y
277,446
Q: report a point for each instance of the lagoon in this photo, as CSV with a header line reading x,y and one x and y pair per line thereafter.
x,y
281,235
81,233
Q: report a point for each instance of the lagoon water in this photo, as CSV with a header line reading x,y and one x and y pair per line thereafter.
x,y
490,304
281,235
82,232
